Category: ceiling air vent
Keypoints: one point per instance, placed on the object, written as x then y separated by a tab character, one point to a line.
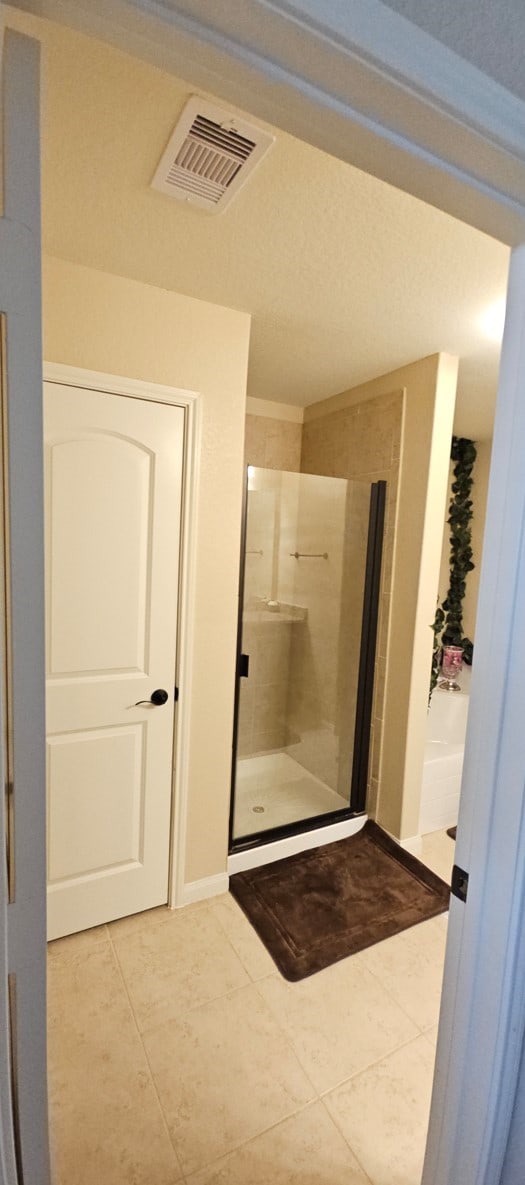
210	154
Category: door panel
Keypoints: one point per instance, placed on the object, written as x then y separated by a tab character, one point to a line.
113	469
96	811
99	625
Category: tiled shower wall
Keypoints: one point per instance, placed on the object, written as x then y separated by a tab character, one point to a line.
270	444
273	444
325	657
304	656
363	442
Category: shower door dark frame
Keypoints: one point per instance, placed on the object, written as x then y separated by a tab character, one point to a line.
365	692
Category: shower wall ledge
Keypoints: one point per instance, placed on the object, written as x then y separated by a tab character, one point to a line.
285	615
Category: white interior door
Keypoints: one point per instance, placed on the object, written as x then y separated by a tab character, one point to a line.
113	481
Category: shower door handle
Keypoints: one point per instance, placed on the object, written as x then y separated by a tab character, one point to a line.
243	666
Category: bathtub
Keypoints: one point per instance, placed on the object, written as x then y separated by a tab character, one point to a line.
446	727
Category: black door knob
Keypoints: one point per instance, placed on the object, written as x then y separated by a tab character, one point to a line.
157	697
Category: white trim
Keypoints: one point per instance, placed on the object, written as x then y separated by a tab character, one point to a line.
116	384
269	852
397	48
22	920
436	156
358	80
208	886
274	411
413	844
187	626
482	1015
55	372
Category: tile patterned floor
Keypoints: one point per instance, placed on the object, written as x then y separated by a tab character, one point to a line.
179	1056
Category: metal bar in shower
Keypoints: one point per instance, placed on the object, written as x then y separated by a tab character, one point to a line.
363	718
304	555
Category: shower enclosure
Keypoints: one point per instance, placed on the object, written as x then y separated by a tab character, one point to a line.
309	595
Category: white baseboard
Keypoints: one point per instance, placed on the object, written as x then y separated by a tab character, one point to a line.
209	886
268	852
413	844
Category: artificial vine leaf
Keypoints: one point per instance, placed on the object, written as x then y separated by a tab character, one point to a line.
448	622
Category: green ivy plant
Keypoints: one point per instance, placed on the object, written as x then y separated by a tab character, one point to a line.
448	622
437	630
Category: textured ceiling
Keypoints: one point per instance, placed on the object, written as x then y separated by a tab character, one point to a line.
346	277
490	34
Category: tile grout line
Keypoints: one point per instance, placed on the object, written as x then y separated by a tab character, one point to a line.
401	1007
347	1142
372	1065
150	1071
64	955
287	1039
320	1094
335	1118
250	1140
196	1007
237	953
378	979
203	1004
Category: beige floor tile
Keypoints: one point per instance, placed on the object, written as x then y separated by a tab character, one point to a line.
246	942
106	1122
136	922
338	1021
383	1113
442	920
432	1035
224	1073
149	918
176	965
410	968
305	1150
74	944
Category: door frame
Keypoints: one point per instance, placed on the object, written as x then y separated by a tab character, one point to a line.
190	402
481	197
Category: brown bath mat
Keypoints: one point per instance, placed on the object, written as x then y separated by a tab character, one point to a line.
452	832
320	906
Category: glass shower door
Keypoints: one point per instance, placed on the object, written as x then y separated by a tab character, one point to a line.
309	592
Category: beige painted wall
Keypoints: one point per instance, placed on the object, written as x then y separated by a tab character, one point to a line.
479	506
429	397
119	326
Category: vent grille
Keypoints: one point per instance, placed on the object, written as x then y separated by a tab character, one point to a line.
209	156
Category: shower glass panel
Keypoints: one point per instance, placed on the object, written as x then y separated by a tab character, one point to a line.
309	593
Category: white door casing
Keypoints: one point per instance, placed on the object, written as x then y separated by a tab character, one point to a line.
24	1151
482	1023
113	514
508	212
